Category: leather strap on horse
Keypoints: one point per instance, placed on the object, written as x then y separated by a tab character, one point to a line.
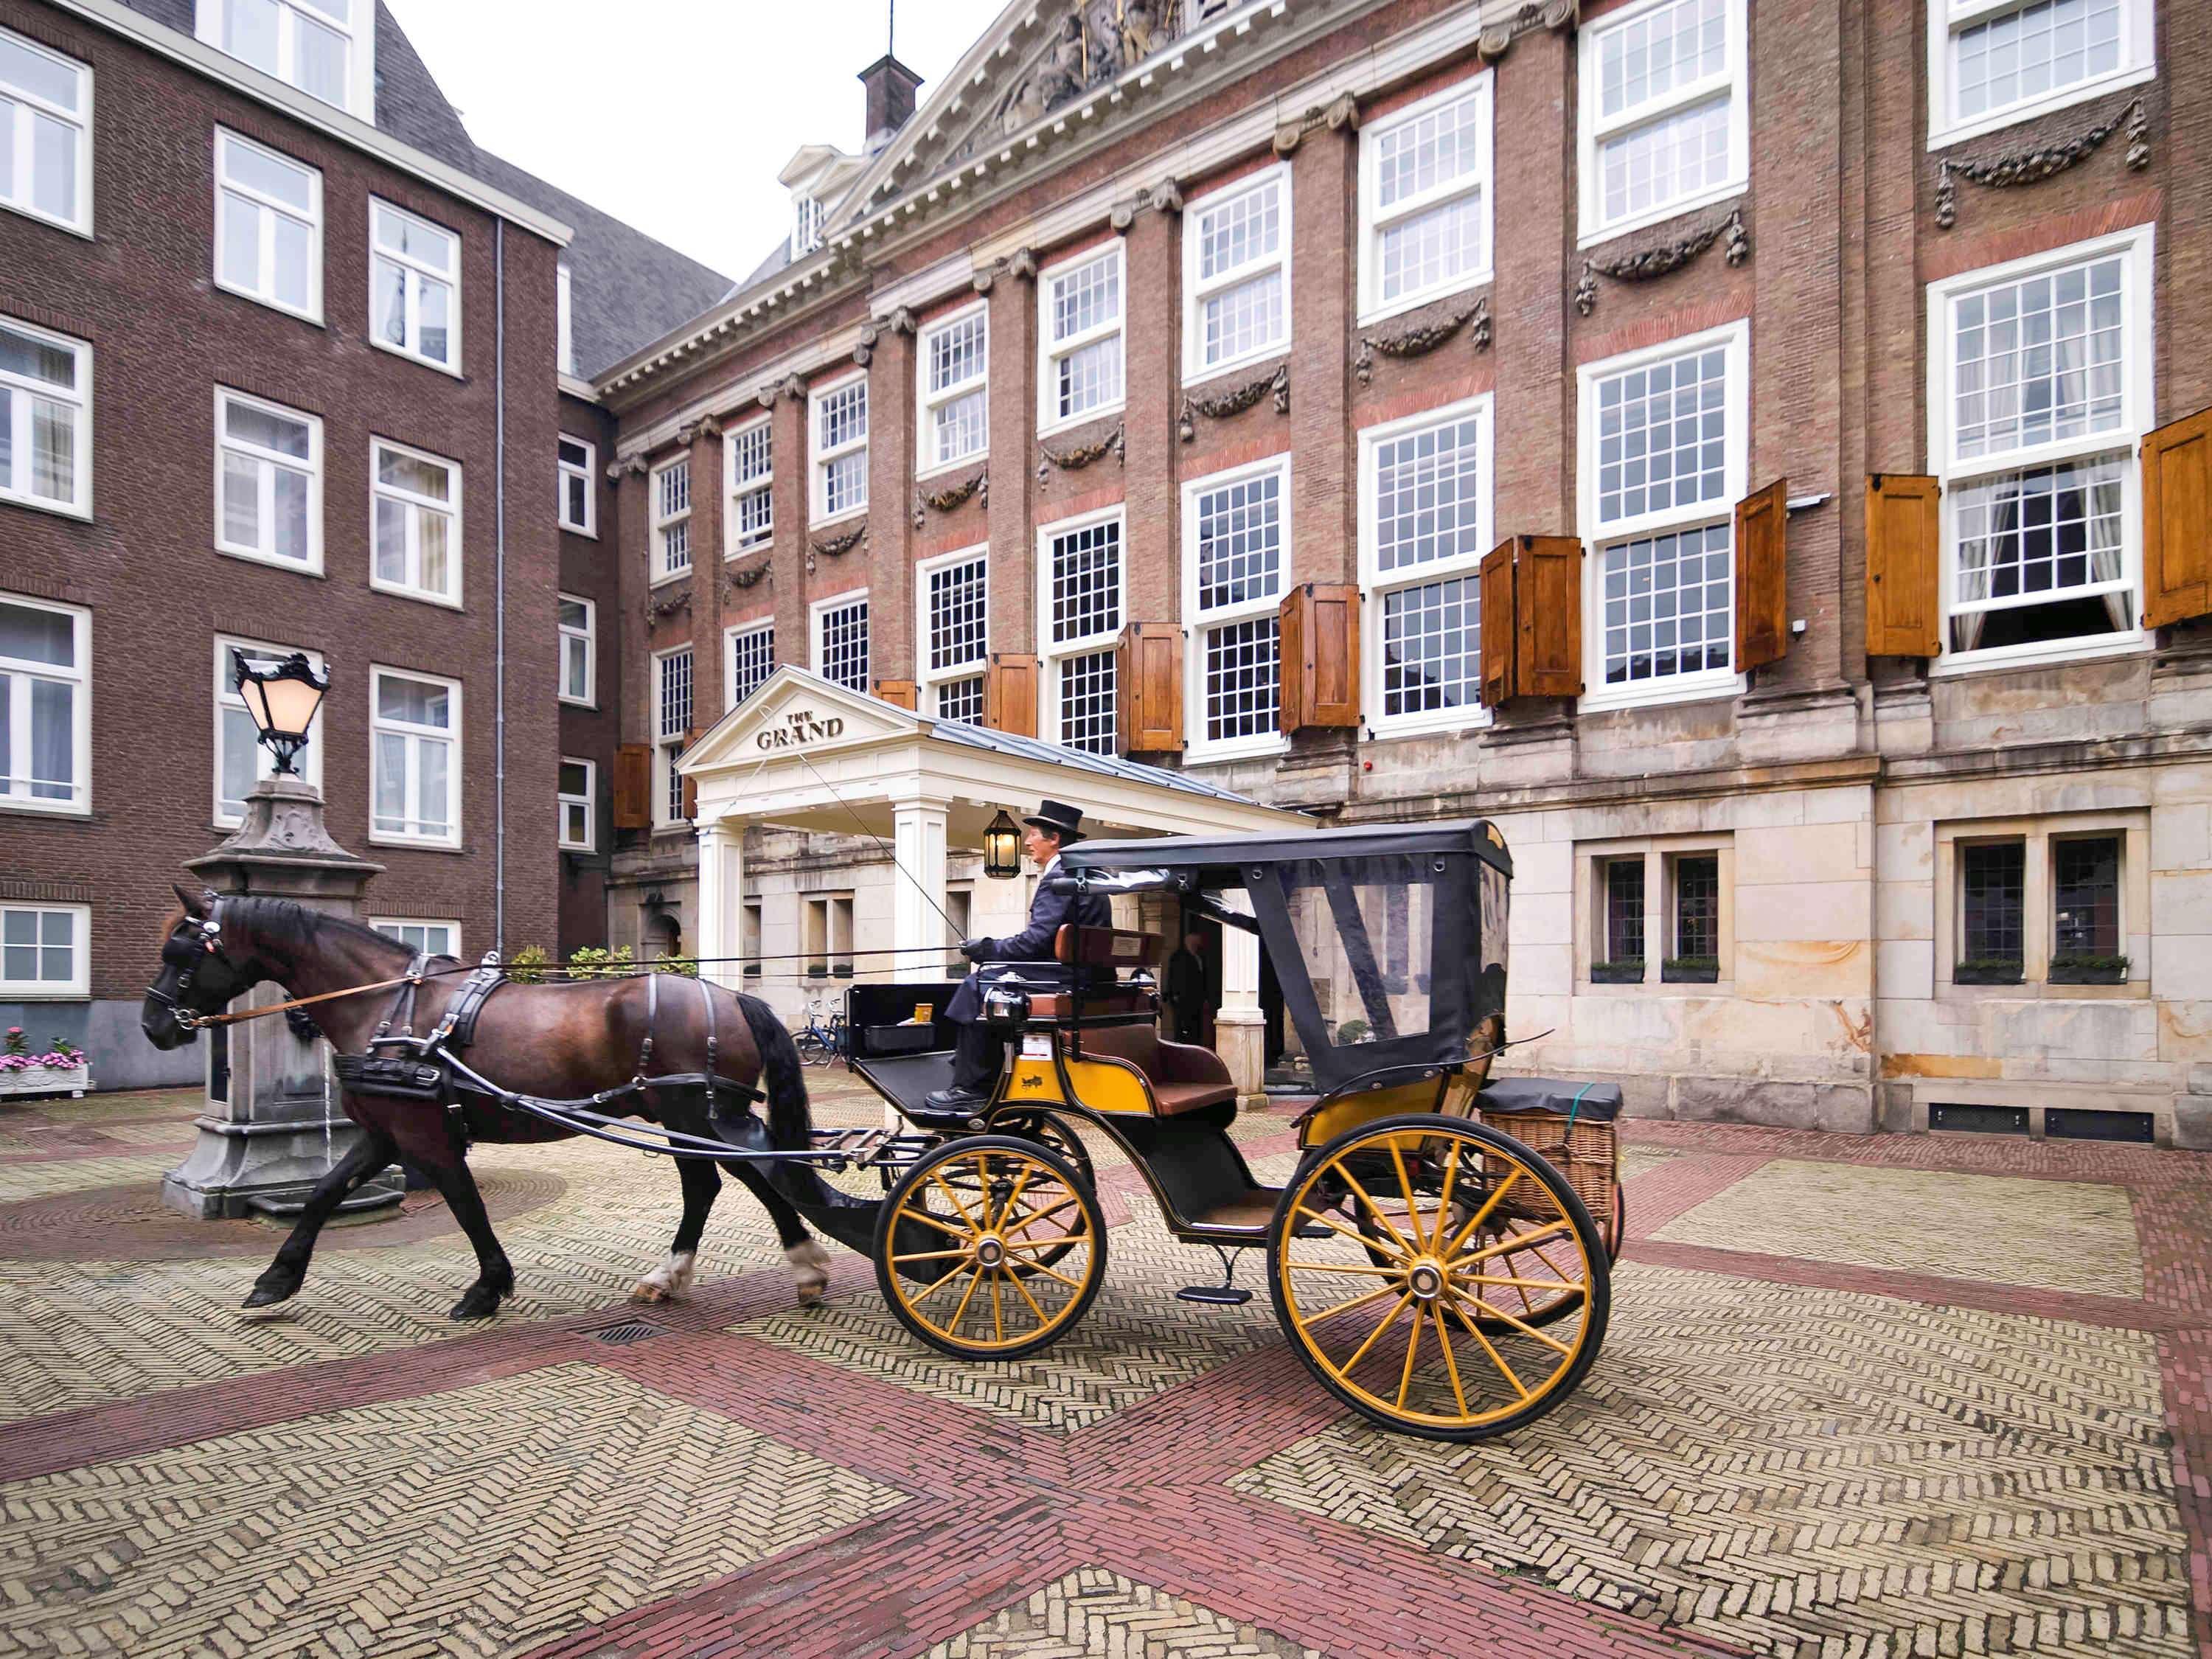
235	1016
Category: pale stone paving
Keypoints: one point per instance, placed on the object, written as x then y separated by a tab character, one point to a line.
2049	1234
1092	1611
471	1522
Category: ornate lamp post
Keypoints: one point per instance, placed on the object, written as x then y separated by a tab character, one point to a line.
1002	849
272	1125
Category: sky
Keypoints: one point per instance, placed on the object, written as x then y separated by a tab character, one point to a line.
678	119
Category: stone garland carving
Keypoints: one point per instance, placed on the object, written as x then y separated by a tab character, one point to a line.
2032	166
1422	338
1664	260
1222	404
1074	460
750	576
837	547
952	495
658	610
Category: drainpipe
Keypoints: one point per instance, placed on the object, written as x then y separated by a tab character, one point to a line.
498	590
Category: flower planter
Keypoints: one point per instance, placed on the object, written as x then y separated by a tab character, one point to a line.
46	1080
2088	970
1690	971
1986	973
1625	972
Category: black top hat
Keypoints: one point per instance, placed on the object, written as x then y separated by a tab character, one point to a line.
1057	819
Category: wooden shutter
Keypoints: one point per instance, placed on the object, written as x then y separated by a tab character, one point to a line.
1010	694
1498	630
691	785
1904	529
633	786
2176	494
1762	576
901	692
1547	616
1148	688
1319	635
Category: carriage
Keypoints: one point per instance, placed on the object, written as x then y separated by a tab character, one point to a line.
1438	1253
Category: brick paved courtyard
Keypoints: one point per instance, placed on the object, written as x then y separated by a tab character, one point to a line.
1931	1395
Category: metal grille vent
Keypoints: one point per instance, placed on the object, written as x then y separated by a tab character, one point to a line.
629	1331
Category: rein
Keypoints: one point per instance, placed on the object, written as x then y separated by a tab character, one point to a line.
191	1021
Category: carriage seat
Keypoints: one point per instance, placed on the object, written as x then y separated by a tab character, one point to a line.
1184	1077
1110	948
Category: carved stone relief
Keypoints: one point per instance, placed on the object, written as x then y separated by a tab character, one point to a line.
1074	460
2034	165
1421	338
1220	405
1664	260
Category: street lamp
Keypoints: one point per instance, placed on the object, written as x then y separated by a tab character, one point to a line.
1002	849
281	695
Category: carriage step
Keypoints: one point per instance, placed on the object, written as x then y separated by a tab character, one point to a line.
1219	1295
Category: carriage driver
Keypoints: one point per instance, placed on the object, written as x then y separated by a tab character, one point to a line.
980	1050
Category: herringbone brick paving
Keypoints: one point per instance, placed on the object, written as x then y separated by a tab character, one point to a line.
1788	1453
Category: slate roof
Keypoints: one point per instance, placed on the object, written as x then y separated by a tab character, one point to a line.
625	289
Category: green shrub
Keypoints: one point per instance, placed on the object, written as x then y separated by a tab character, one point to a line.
527	965
687	967
592	961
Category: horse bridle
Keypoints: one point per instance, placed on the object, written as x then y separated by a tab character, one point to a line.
209	929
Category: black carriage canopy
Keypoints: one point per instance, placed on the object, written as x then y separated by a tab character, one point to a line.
1388	943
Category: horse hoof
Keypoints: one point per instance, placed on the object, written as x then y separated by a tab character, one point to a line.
810	1271
268	1295
646	1290
481	1302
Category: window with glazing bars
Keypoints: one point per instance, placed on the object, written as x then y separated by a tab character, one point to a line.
954	392
1993	879
671	517
1696	905
752	473
1624	909
1082	309
1086	581
844	645
2085	888
671	727
1086	703
841	450
752	660
958	599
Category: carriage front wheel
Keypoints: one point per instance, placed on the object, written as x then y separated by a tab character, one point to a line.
990	1247
1398	1258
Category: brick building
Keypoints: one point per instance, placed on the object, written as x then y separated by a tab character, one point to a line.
280	365
1747	450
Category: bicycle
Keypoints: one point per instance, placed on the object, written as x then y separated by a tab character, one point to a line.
820	1040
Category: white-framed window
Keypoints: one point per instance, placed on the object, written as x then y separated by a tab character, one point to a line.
325	48
671	731
565	319
415	287
431	937
952	361
1424	524
672	519
751	460
414	760
838	418
1079	337
268	482
46	419
579	498
1665	122
748	658
1424	200
577	802
1664	444
45	951
45	706
1082	598
1991	63
2039	392
45	134
240	759
806	226
1235	568
841	640
578	620
416	503
1236	274
952	600
268	227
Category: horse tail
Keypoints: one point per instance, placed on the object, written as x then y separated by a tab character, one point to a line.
790	1120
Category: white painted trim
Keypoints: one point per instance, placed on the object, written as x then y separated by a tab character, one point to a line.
663	523
1593	129
79	984
378	490
730	635
312	564
662	765
820	608
1197	624
732	542
1050	652
225	697
1375	583
562	634
217	66
1736	338
1049	352
79	119
456	767
451	923
2138	64
81	446
816	457
925	678
590	801
422	272
563	472
313	310
1372	307
79	675
1277	178
926	402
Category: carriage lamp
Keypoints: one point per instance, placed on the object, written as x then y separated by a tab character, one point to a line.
1002	849
281	695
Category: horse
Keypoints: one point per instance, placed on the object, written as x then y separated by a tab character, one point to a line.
564	1040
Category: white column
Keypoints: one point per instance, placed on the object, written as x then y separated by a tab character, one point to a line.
722	900
917	888
1240	1029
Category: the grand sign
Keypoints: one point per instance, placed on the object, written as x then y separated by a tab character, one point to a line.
801	727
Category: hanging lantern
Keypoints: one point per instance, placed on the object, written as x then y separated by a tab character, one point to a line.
1002	849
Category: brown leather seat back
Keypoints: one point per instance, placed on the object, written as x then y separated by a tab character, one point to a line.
1183	1076
1104	947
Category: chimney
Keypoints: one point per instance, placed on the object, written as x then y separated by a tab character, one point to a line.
890	87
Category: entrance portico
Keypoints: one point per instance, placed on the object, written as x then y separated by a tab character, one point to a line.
803	754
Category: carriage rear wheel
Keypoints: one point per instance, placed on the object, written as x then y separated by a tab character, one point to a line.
1398	1257
991	1247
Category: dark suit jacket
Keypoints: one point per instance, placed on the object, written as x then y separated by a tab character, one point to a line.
1047	911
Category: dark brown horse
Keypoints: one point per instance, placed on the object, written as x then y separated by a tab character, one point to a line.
557	1042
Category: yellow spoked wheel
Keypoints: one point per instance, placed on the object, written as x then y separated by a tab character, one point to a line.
1398	1259
990	1247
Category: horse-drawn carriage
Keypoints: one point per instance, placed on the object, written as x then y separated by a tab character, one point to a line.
1434	1255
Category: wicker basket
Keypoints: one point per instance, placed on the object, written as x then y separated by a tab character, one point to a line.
1587	1152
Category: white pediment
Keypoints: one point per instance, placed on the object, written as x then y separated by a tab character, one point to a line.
797	714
